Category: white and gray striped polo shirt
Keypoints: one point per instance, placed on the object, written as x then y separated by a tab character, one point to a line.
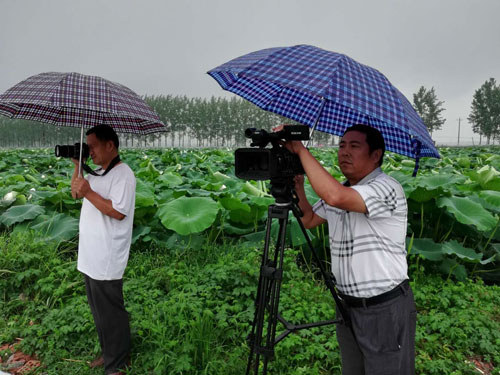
368	250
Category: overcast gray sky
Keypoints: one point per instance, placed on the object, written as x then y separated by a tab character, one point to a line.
166	47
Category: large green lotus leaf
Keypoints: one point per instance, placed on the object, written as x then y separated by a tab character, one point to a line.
144	194
140	231
492	198
453	247
11	180
55	197
463	162
261	201
468	187
448	266
230	204
170	179
247	217
441	182
487	176
433	186
18	214
257	237
468	212
214	186
429	162
148	171
233	229
428	249
421	194
405	180
188	215
20	200
494	161
59	227
493	184
483	203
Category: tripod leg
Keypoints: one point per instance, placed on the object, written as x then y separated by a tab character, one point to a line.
268	294
260	302
275	289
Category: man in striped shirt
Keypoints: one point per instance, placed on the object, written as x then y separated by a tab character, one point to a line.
367	219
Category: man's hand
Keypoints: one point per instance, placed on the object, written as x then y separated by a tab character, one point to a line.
293	146
80	187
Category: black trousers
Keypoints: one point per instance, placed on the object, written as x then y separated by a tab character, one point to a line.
111	320
384	341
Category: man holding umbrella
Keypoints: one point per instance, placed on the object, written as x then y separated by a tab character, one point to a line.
367	215
85	101
367	218
106	222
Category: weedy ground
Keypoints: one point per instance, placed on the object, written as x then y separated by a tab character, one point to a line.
191	310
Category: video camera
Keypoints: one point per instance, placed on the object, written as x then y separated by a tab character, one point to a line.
72	151
270	163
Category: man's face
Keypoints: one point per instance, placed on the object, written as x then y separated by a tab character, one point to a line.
355	160
100	152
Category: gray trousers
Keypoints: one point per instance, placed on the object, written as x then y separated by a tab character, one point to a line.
384	342
111	320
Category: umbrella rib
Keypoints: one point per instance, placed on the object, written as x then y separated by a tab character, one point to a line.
323	101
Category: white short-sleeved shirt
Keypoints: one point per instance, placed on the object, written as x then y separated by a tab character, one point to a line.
104	243
368	250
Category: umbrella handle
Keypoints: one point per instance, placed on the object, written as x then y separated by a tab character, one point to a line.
80	173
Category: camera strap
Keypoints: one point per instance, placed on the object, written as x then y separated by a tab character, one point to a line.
87	169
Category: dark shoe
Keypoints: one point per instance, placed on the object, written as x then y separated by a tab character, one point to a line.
117	373
98	362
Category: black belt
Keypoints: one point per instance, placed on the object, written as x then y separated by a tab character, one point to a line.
387	296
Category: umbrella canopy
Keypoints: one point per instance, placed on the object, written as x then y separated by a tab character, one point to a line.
328	91
78	100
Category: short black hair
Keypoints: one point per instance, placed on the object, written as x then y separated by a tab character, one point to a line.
373	138
105	133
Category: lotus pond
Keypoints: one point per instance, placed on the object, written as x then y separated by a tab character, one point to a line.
190	198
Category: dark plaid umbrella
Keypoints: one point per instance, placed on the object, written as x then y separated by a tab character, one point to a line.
327	91
73	99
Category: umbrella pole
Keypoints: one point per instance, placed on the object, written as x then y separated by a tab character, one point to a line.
80	156
316	121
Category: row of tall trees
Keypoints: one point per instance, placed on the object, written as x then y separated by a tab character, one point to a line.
193	122
484	116
220	122
485	111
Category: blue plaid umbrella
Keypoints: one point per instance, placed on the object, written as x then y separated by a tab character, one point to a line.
327	91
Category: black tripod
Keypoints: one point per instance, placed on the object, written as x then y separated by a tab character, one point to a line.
271	273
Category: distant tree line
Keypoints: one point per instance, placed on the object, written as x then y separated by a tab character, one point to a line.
484	116
221	122
193	122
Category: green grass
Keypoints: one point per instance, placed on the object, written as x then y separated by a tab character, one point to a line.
191	312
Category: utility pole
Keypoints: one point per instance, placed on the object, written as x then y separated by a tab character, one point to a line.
458	141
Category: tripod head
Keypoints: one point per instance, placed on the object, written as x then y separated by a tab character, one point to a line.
283	191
